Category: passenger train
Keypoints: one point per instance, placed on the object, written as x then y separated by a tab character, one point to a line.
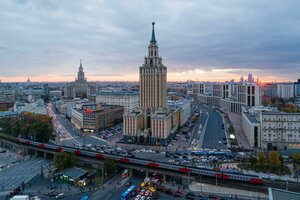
219	174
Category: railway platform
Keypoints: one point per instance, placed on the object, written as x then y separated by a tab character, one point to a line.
208	188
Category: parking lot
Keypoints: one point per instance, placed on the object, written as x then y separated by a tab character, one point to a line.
20	172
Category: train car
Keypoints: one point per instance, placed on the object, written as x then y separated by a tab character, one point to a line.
205	171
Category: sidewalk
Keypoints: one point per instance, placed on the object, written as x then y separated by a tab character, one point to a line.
197	187
236	121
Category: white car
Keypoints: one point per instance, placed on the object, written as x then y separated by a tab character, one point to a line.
137	197
143	198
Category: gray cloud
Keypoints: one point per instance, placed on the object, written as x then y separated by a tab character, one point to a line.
49	37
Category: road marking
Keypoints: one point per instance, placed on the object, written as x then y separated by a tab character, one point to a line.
95	137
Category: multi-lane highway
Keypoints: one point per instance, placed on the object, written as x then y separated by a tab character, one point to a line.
214	136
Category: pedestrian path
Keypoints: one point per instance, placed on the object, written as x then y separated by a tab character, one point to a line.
207	188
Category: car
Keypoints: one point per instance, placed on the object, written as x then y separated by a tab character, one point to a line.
190	195
156	195
142	198
177	193
169	191
162	188
137	197
60	196
213	196
142	191
147	193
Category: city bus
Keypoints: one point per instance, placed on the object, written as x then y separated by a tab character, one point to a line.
125	195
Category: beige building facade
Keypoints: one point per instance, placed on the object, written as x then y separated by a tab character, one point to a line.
152	122
275	129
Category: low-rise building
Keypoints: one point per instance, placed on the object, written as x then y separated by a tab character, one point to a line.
38	107
91	117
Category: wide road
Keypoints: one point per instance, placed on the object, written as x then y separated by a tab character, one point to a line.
72	136
199	129
214	134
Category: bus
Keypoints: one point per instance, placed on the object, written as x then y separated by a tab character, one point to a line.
85	197
125	195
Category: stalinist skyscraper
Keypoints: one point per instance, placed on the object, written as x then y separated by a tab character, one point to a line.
153	79
153	121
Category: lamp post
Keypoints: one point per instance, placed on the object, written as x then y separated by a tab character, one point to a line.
201	183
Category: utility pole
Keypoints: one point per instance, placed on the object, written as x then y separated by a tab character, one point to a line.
201	182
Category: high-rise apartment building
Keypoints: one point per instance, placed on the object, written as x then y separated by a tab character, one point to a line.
229	95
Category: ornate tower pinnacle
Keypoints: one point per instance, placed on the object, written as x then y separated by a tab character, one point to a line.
153	33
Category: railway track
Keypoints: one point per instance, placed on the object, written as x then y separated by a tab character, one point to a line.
263	188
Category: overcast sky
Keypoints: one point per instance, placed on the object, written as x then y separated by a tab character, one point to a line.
199	40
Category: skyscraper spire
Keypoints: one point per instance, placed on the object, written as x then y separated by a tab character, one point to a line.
80	63
153	33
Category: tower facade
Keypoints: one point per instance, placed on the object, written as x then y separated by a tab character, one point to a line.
153	79
80	74
78	88
153	122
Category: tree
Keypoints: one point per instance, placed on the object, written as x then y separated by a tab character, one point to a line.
296	158
31	126
110	166
253	161
274	160
63	160
261	159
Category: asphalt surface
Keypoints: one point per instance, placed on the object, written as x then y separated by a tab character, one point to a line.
214	134
199	131
21	172
73	136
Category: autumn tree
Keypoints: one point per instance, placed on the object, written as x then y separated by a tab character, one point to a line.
261	159
28	125
296	158
274	160
253	161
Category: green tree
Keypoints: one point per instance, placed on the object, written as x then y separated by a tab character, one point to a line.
253	161
63	160
261	159
231	129
274	160
110	166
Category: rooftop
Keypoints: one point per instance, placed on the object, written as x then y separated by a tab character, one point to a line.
277	194
73	173
125	93
251	118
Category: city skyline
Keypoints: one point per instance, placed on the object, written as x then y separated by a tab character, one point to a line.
201	41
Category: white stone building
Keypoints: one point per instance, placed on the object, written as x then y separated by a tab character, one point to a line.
129	100
276	130
229	95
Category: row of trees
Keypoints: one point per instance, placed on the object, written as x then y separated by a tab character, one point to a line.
281	104
28	125
272	161
65	160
